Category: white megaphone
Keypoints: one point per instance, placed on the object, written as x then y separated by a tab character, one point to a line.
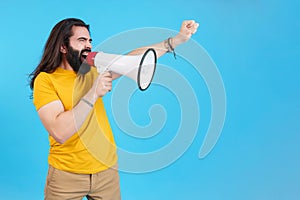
140	68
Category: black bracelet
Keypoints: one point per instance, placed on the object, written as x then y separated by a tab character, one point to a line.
170	47
87	102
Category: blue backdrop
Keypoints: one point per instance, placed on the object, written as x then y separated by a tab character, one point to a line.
254	44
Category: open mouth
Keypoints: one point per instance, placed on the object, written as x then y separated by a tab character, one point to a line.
84	55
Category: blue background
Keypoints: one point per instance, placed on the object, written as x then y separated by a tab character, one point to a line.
256	46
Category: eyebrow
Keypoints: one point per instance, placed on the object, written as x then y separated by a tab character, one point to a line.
84	38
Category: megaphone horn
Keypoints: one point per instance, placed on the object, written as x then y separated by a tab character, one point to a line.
140	68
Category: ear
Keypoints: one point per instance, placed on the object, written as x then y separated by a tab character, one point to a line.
63	49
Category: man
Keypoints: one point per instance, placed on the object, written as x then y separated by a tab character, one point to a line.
71	109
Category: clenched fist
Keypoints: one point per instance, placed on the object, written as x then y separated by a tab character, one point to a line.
103	84
187	29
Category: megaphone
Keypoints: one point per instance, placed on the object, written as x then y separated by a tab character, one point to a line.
140	68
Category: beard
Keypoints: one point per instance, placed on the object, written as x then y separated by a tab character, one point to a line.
75	58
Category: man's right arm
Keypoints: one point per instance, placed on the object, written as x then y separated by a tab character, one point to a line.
61	124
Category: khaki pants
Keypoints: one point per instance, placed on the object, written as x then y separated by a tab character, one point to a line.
61	185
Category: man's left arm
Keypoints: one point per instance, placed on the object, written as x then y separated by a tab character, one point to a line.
187	29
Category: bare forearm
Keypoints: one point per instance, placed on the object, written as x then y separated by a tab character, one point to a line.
160	48
67	123
62	124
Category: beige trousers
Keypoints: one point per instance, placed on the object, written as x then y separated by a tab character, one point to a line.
61	185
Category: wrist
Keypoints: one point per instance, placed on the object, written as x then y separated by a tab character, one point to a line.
178	40
91	97
169	45
87	102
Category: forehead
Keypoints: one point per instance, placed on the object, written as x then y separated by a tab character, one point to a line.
80	31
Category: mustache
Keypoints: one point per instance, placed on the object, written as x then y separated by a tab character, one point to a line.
85	51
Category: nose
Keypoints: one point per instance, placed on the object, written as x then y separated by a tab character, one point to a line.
88	45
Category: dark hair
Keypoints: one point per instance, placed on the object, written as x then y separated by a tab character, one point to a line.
52	57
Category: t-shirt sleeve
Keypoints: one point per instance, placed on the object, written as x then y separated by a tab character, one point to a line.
44	91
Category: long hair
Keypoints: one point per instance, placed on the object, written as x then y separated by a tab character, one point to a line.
52	57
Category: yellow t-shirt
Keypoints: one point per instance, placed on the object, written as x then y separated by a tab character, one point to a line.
92	148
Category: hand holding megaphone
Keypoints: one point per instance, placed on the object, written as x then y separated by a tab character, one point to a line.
103	84
140	68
